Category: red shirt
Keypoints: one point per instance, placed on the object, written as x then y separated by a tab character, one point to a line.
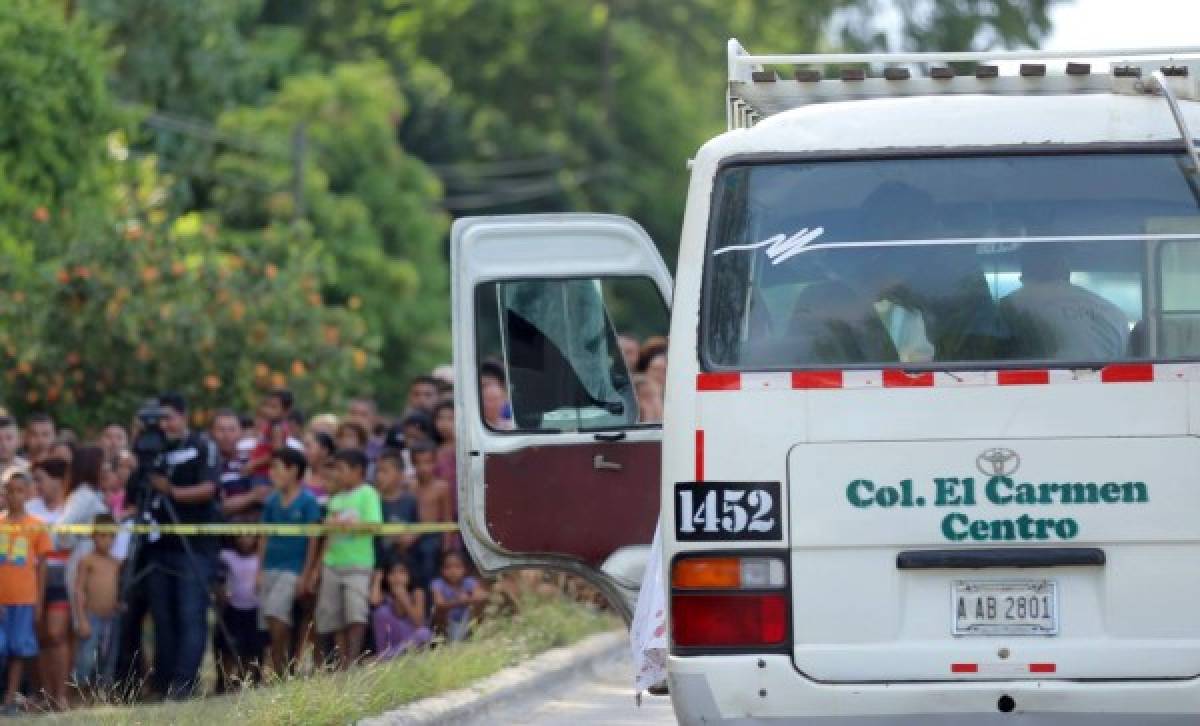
264	448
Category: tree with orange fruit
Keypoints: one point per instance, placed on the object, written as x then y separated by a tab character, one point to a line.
139	307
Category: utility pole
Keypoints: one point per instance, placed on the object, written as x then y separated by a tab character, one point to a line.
606	60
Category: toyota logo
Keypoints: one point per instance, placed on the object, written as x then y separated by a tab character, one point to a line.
998	462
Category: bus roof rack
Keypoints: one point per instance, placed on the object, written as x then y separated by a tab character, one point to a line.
756	91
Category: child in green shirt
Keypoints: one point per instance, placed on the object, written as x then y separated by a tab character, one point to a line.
347	559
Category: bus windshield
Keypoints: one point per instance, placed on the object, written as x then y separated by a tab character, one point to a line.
1064	260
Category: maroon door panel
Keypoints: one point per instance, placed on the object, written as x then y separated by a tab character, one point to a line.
564	500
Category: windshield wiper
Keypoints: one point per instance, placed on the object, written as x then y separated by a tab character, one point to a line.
1173	103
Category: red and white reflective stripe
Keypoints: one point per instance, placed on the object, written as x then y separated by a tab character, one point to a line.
895	378
1127	374
1022	378
817	379
719	382
1003	669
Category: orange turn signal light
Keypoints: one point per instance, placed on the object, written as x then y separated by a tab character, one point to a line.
707	573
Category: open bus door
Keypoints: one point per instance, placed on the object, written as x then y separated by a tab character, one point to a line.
558	465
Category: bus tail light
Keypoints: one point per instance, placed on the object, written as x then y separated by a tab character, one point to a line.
728	573
727	620
729	602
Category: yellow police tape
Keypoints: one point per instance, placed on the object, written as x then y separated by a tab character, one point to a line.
233	528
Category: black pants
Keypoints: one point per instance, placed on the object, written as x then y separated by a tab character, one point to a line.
131	668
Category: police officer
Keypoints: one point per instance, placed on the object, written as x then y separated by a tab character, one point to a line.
179	573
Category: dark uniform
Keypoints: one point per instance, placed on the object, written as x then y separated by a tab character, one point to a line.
178	582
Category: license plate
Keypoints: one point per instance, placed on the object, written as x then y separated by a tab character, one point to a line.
1005	608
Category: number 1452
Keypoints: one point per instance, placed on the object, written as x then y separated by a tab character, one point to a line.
725	511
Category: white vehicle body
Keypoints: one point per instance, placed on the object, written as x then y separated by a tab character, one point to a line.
879	501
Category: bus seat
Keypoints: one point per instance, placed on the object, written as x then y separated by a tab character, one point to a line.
1137	341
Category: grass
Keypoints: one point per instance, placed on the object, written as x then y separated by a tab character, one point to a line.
371	689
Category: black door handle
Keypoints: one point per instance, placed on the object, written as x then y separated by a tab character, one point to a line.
610	436
970	559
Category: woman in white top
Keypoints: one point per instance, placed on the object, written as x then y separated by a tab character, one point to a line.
83	502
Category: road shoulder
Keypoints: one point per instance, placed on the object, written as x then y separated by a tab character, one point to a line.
538	675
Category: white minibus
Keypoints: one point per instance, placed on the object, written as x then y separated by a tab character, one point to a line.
929	450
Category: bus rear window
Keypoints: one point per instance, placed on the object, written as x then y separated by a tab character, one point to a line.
1073	260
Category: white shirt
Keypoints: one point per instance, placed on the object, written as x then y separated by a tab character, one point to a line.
1058	320
37	508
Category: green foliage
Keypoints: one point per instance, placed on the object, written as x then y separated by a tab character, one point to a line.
326	141
612	115
371	207
191	58
372	689
150	304
56	111
967	24
614	95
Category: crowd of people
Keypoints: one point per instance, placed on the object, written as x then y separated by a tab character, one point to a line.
647	361
73	606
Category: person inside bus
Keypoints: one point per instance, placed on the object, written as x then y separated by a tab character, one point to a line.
933	299
832	323
1053	319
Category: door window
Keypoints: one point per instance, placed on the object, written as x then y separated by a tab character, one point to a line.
557	354
1179	265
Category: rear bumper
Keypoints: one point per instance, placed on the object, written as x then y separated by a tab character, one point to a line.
768	690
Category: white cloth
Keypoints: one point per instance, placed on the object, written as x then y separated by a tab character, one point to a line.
36	507
1067	322
648	631
907	330
120	548
81	507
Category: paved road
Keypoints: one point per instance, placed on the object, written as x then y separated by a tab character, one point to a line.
602	697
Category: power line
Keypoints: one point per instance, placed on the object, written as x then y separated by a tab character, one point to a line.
497	182
208	132
523	192
201	129
506	167
204	172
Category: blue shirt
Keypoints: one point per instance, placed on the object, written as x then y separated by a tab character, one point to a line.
288	553
401	509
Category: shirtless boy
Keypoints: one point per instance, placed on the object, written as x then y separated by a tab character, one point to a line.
96	607
433	505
